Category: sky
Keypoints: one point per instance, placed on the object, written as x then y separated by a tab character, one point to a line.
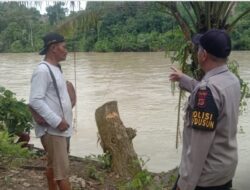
79	5
41	5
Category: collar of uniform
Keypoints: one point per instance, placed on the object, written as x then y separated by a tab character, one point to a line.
216	71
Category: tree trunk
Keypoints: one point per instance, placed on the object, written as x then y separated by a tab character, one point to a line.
116	139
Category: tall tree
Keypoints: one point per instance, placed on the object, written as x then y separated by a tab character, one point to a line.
120	26
20	27
56	12
198	17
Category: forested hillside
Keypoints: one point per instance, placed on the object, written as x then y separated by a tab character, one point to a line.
108	26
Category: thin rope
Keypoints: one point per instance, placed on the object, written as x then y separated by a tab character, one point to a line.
178	132
108	87
75	114
74	48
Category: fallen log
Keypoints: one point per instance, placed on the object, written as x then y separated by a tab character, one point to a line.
116	140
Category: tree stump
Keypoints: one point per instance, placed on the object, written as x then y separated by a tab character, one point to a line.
116	139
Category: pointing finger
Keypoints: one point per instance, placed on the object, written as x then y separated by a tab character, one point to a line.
174	69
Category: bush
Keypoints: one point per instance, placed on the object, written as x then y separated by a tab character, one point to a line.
11	154
14	114
103	46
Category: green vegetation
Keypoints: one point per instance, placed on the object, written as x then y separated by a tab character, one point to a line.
241	33
104	27
133	26
142	180
11	154
198	17
15	119
104	160
245	91
14	114
95	174
20	28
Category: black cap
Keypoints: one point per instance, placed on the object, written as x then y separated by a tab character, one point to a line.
214	41
48	39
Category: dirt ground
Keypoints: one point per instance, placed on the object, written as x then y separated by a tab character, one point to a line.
86	174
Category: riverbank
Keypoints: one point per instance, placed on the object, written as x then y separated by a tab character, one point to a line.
87	173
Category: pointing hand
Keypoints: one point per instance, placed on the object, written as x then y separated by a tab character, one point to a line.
175	75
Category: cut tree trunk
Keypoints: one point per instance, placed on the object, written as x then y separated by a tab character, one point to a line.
116	140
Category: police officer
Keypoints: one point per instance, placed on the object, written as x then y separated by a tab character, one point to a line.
209	154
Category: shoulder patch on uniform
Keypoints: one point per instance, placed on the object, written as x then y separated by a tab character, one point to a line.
201	95
205	112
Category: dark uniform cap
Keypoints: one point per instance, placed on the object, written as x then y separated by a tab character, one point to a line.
214	41
48	39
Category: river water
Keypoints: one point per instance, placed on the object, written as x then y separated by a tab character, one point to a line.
139	83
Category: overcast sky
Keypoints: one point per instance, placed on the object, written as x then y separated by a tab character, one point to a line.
79	5
42	4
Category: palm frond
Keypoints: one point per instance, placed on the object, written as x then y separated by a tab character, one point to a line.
228	12
230	26
208	14
221	8
197	7
187	9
